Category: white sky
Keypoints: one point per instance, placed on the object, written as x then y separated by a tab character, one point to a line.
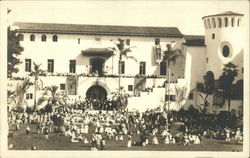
186	15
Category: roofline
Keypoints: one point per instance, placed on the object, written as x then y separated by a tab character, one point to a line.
223	15
91	32
99	33
194	45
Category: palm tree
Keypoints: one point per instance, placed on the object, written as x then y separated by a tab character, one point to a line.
208	88
170	56
53	97
228	76
122	51
11	97
17	96
37	71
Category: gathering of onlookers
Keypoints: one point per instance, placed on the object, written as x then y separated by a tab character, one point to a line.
97	128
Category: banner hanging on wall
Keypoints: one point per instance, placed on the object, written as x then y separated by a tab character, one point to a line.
71	85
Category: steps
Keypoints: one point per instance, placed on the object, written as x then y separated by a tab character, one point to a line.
147	100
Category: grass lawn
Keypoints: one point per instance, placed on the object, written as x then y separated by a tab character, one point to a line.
21	141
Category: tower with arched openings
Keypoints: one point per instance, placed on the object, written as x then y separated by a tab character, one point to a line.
224	40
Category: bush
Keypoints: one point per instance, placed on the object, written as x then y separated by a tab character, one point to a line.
19	109
29	110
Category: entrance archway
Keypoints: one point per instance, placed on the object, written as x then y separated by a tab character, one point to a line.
96	92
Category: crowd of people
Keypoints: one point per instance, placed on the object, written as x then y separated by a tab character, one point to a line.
113	102
222	126
96	128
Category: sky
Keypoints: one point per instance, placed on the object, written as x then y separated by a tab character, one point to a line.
186	15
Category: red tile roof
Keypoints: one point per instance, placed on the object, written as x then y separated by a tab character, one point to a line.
194	40
225	13
56	28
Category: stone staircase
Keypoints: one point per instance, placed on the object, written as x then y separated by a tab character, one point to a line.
147	100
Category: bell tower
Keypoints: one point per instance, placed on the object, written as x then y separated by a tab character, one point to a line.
224	39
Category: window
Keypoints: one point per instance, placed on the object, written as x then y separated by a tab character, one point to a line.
157	41
157	53
28	65
213	36
232	22
130	87
20	37
142	68
32	37
213	22
72	66
50	65
219	22
225	51
172	97
242	70
163	68
43	38
122	67
207	60
54	38
29	96
238	22
226	22
205	24
128	42
79	40
98	40
209	24
191	96
169	97
62	86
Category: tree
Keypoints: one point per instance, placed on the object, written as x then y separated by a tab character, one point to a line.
207	87
53	97
226	81
18	95
120	99
14	50
122	51
170	56
36	72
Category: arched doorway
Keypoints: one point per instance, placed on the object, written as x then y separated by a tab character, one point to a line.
97	65
96	92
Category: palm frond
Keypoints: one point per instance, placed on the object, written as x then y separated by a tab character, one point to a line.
201	96
11	93
132	57
171	55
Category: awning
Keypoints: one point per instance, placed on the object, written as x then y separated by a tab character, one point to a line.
104	52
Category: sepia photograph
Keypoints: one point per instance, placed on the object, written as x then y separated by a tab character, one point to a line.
125	78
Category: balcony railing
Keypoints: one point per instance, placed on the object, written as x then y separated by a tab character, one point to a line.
101	75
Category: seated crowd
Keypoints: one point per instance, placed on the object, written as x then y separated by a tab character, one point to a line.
95	129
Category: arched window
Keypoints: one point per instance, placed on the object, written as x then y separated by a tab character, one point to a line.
32	37
219	22
210	75
205	24
225	51
55	38
213	21
232	22
238	22
226	22
20	37
209	24
43	38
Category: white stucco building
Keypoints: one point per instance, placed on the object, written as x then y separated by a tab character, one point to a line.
70	54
